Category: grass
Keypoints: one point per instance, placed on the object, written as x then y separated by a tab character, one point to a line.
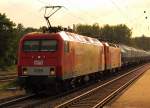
11	84
12	68
9	69
5	86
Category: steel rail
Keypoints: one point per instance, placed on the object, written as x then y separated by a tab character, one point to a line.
7	78
7	74
116	92
12	101
75	99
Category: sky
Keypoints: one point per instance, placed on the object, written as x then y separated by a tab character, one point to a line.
134	13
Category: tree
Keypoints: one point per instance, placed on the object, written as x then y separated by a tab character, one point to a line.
116	34
122	34
142	42
30	29
107	33
88	30
7	36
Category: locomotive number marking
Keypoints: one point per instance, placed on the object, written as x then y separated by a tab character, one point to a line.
38	62
38	70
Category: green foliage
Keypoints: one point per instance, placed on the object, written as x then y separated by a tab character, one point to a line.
7	38
88	30
8	85
115	34
142	42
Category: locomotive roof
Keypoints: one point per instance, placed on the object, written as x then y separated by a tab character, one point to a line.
80	38
67	36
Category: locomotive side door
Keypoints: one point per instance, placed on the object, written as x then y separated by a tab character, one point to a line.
68	64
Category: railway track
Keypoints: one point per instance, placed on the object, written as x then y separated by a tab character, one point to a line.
99	96
16	99
7	77
32	101
7	73
93	97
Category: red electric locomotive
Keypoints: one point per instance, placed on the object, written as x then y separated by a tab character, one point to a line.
52	59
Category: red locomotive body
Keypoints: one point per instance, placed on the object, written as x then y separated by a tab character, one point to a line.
47	59
112	56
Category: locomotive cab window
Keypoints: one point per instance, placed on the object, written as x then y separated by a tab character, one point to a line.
31	45
48	45
66	46
40	45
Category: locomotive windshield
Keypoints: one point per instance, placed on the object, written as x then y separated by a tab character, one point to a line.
40	45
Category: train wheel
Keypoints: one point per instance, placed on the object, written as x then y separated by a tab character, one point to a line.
66	85
58	87
78	81
86	79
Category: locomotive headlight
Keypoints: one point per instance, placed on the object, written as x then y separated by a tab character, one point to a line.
52	71
25	71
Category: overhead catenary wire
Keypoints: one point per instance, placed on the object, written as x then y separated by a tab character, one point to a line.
85	12
75	16
43	2
133	23
123	14
88	17
69	13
